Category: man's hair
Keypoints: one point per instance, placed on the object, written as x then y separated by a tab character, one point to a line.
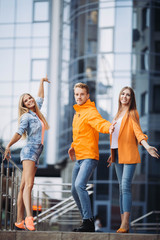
82	85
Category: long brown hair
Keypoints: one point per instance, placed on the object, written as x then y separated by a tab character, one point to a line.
23	109
132	108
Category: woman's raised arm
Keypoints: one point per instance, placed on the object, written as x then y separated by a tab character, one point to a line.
14	139
41	87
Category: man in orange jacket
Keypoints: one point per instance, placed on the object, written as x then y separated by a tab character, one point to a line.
87	124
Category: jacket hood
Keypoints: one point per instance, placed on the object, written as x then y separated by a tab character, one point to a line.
87	104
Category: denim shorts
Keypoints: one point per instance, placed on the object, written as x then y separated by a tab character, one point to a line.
31	152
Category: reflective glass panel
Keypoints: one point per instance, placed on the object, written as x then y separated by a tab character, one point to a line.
22	65
6	64
106	40
7	11
39	69
41	11
24	11
23	30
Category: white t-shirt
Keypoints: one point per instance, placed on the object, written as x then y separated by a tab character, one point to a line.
115	134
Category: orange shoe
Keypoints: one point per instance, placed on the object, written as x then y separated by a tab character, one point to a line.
122	230
20	226
29	223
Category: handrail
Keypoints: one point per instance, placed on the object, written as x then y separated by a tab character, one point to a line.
10	160
6	181
60	209
145	226
89	186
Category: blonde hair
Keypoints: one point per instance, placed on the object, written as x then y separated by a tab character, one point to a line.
81	85
23	109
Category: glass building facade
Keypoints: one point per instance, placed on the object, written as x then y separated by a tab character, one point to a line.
24	59
107	44
145	78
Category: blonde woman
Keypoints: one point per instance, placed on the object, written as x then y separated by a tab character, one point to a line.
124	151
32	125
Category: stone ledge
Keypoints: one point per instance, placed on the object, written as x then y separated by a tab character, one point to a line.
39	235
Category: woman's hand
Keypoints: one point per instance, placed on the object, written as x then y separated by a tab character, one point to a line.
7	154
45	79
112	127
153	151
109	161
71	153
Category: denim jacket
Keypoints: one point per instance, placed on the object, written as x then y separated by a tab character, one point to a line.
32	125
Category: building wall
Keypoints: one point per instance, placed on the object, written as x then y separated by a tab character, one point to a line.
147	88
24	60
100	52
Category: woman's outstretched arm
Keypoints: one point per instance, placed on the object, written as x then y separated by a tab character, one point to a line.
151	150
7	153
41	87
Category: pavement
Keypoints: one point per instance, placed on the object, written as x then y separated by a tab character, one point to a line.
44	235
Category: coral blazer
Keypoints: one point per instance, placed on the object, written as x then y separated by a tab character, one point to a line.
130	134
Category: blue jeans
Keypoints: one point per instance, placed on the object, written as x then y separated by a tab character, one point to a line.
81	174
125	174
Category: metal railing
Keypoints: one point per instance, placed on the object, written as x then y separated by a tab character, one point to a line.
148	225
60	209
8	193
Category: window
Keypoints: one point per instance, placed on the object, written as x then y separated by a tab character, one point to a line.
106	40
92	47
39	69
144	103
144	59
156	98
157	56
145	18
157	16
40	11
102	191
102	211
92	17
157	136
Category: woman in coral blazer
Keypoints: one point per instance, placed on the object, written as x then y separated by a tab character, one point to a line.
124	150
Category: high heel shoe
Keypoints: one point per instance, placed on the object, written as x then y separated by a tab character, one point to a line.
122	230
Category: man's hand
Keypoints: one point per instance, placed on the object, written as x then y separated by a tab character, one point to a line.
109	161
112	127
71	153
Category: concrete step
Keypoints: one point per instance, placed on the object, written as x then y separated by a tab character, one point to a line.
39	235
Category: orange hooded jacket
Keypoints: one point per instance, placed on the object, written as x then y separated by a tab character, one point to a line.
130	134
87	123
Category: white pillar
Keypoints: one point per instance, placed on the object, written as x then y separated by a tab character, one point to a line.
122	49
53	76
